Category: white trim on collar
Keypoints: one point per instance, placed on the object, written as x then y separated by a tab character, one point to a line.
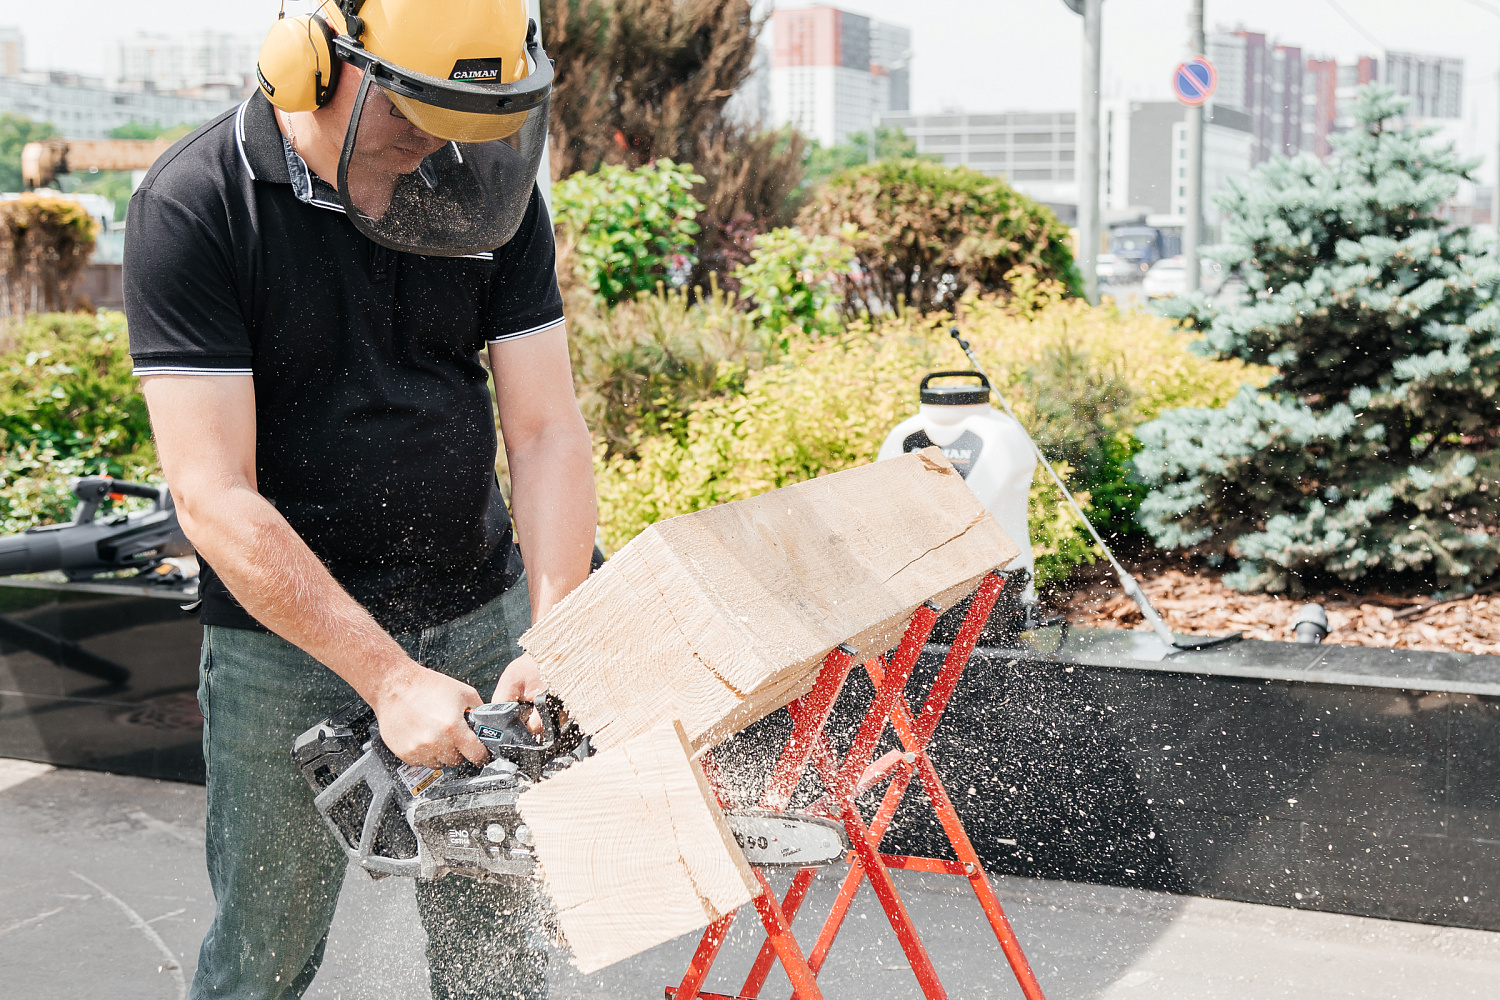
239	136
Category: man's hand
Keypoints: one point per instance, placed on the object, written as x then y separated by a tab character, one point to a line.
521	681
422	719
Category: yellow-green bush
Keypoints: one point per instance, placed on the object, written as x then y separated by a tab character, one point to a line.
828	405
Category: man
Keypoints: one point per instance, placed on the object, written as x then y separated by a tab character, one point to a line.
309	286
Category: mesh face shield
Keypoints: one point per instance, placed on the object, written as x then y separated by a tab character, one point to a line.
438	167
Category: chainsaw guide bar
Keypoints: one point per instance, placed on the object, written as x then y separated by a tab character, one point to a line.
393	818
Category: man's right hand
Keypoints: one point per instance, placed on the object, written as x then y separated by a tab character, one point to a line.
421	717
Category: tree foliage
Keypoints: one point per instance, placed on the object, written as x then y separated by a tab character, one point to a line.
929	233
822	162
1376	448
15	132
69	407
641	80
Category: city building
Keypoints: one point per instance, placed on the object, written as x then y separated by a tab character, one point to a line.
1320	99
834	73
200	64
1143	153
1263	81
12	52
86	107
1144	157
1435	84
82	108
1032	151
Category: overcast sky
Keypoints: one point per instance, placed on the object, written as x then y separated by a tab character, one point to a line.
978	55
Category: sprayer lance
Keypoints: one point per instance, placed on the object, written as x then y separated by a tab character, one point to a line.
1128	583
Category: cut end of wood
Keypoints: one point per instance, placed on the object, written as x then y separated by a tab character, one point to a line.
634	849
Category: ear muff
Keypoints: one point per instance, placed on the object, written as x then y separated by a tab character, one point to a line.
297	68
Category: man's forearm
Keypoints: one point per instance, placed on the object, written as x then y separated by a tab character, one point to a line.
552	497
276	578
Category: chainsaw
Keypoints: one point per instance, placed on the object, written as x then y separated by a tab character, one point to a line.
393	818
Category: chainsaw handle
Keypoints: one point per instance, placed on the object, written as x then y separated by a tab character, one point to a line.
501	728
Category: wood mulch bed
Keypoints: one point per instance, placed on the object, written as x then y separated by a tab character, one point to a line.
1197	602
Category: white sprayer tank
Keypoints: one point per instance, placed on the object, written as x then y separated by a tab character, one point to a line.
989	449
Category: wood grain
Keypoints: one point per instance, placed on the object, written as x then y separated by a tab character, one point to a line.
634	849
720	617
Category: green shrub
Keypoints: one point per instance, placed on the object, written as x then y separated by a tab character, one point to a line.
639	367
795	280
69	407
927	234
45	241
624	231
830	403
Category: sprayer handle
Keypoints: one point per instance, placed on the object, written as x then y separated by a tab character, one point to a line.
932	375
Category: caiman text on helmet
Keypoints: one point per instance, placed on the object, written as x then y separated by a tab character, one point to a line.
446	129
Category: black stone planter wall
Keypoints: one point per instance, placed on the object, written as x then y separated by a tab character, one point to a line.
1332	778
100	676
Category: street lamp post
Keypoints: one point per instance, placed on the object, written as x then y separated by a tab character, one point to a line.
1087	134
1192	228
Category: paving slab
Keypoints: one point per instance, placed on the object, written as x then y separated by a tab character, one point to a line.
103	890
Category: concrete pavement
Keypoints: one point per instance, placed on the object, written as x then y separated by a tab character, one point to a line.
103	892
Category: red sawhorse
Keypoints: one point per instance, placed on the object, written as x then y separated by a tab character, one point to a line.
843	781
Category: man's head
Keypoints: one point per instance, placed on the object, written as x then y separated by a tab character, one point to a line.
428	102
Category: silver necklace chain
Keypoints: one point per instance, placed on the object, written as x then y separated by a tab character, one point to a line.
291	136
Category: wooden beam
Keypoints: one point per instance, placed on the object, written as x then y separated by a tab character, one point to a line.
720	617
634	849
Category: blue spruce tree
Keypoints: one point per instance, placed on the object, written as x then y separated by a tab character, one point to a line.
1375	450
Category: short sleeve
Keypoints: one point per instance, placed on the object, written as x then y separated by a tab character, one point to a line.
524	298
181	301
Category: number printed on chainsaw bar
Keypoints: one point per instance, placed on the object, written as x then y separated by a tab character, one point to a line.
722	616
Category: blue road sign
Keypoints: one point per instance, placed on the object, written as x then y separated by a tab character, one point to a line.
1194	81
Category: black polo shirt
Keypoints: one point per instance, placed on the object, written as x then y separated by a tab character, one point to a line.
375	437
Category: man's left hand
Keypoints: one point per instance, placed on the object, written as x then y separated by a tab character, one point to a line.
520	681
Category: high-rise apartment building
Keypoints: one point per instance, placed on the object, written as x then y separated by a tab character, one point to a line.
833	73
1265	81
1320	99
12	52
1435	84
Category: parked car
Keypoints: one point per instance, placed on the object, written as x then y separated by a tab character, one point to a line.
1169	277
1107	267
